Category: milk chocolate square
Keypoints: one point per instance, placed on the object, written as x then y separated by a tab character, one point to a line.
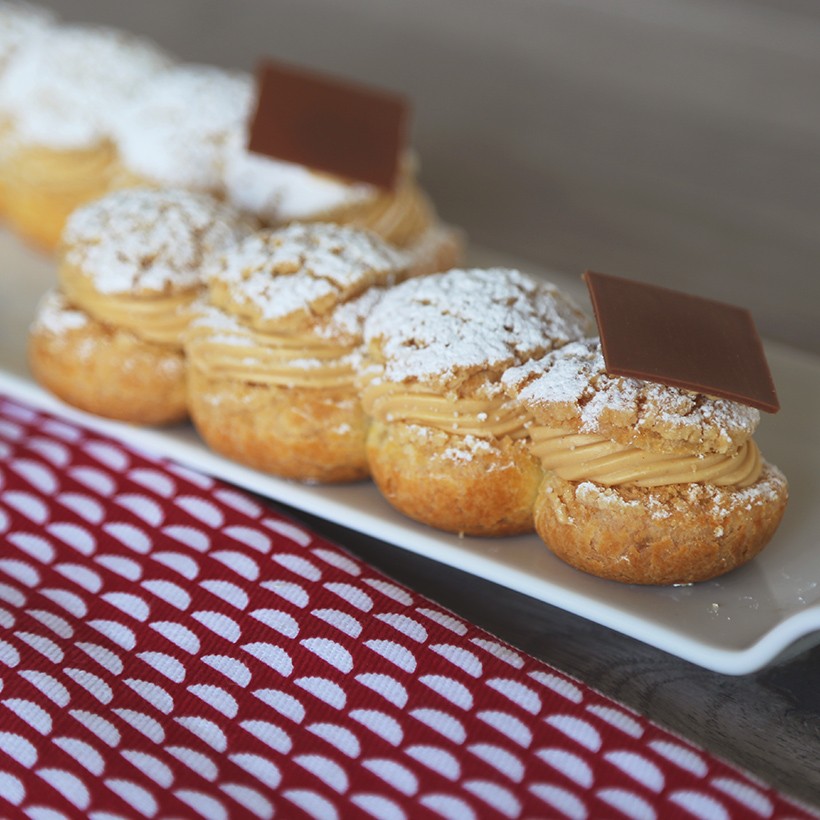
351	131
670	337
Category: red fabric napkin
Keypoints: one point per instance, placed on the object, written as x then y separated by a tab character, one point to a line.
171	647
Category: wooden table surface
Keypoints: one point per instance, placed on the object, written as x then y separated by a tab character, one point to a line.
675	141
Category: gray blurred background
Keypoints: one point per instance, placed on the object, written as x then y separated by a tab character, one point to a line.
675	141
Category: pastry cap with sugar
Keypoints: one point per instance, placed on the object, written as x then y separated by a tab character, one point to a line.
443	329
291	279
176	132
146	241
66	87
570	388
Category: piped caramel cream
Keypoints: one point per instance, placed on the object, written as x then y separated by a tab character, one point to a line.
65	177
158	318
238	353
400	217
479	417
589	457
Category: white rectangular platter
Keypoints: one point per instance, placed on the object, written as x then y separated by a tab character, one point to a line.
734	625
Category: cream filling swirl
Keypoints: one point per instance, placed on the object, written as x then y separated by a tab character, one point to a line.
399	217
479	417
588	457
158	318
241	354
64	172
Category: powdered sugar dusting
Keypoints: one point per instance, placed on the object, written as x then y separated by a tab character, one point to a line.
19	22
280	273
149	240
436	325
54	315
176	131
224	329
347	320
278	191
465	448
66	87
576	378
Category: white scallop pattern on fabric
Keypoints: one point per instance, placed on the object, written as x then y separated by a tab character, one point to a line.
192	537
392	591
577	729
380	723
34	546
748	796
509	726
53	623
502	760
638	767
386	686
409	627
336	559
331	652
85	754
496	796
277	619
169	591
627	803
460	657
144	508
569	764
170	647
324	689
256	803
561	800
125	567
109	660
400	777
153	480
92	684
232	668
699	805
341	620
437	759
84	506
186	566
443	723
26	504
617	718
264	770
237	562
195	761
687	759
285	704
250	537
227	591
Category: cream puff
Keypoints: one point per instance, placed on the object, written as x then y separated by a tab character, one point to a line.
109	341
61	93
272	356
446	446
644	483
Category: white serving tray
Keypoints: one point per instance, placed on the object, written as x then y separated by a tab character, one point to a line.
760	613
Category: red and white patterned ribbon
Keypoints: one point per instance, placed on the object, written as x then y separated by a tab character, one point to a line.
172	647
